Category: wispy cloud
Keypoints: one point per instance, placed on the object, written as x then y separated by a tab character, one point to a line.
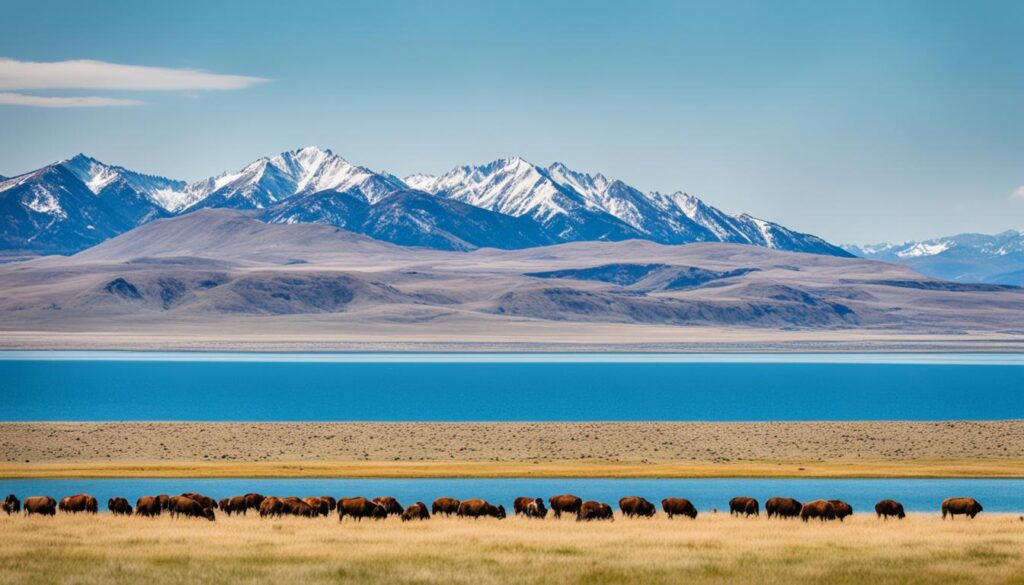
1019	193
22	76
18	99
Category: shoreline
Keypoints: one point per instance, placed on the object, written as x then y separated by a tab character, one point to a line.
869	469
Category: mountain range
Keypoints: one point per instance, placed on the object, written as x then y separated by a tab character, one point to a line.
509	203
995	259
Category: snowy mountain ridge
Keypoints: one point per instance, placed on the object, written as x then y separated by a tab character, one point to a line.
550	204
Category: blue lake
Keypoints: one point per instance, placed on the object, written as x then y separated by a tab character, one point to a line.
917	495
505	387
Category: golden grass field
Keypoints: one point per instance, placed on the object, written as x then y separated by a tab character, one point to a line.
714	548
869	468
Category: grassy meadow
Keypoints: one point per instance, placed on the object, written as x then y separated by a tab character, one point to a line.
712	549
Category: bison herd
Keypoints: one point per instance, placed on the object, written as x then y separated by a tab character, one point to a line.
195	505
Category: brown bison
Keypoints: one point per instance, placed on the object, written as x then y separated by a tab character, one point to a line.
744	506
360	508
391	505
11	504
294	506
253	501
79	503
271	506
842	509
319	505
148	506
119	507
783	507
632	506
204	501
966	506
592	510
446	506
476	508
417	511
820	509
165	501
678	507
332	504
237	505
42	505
888	508
567	503
530	507
190	508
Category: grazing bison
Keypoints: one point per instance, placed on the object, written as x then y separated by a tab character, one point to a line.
783	507
391	505
536	509
887	508
190	508
253	501
567	503
42	505
520	503
360	508
238	505
966	506
820	509
332	504
842	509
592	510
476	508
446	506
271	507
79	503
148	506
11	504
204	501
319	505
294	506
119	507
165	501
417	511
678	507
744	506
632	506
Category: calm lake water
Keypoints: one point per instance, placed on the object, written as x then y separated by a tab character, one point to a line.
918	495
507	387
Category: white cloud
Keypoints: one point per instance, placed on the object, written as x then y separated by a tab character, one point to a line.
1019	193
17	99
82	74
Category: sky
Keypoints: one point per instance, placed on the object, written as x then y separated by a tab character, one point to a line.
857	121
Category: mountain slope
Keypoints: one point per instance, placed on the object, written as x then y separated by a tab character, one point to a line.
518	188
994	259
53	210
268	181
577	206
411	218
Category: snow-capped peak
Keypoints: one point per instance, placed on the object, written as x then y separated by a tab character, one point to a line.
925	249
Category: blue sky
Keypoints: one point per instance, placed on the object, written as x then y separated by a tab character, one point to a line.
859	121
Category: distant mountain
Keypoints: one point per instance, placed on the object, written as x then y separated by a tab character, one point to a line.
576	206
995	259
55	210
307	170
509	203
412	218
